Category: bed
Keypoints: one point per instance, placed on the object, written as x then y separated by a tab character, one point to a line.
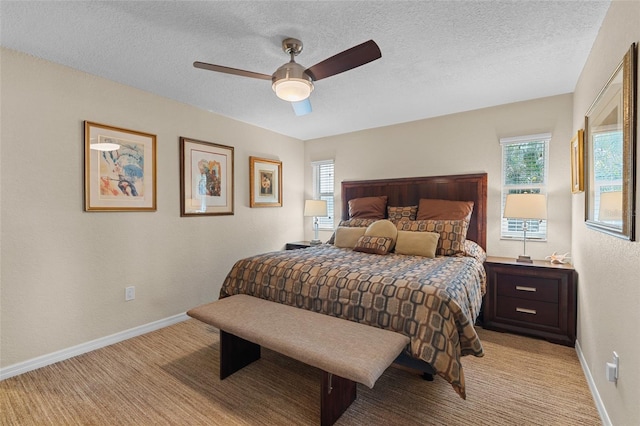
433	300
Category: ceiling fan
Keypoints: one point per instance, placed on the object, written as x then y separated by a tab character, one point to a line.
292	82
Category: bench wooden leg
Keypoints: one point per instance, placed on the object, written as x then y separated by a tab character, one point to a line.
235	353
337	394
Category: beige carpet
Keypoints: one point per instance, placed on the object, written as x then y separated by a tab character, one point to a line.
170	377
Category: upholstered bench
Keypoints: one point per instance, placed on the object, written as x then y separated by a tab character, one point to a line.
347	352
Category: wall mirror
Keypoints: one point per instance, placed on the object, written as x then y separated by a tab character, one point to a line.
610	149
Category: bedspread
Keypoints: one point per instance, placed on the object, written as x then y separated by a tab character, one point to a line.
433	301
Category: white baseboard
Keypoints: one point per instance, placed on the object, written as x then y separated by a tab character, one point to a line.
606	421
44	360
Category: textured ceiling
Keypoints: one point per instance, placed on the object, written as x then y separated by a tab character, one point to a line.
438	57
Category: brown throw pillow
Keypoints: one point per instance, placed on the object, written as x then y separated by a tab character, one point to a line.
374	245
432	209
368	207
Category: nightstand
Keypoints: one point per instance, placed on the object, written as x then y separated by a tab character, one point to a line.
298	245
537	299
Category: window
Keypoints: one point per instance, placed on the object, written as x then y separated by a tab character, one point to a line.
607	175
524	170
323	190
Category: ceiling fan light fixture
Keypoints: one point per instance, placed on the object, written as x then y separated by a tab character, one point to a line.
293	89
291	83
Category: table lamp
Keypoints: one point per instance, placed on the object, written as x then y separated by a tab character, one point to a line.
525	207
315	209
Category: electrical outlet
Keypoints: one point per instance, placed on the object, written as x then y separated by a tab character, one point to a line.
129	293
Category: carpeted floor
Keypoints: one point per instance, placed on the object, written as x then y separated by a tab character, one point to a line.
170	377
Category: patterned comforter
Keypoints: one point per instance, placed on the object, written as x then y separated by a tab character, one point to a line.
433	301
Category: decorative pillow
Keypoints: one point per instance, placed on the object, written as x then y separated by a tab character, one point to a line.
383	228
453	233
417	243
368	207
402	213
351	223
375	245
431	209
357	223
473	249
348	237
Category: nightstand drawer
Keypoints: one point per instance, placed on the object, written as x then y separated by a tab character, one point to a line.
530	311
530	288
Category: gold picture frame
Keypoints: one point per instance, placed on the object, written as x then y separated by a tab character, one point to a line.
265	182
119	169
577	162
610	152
206	178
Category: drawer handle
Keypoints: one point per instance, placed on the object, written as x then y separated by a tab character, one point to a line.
522	288
526	311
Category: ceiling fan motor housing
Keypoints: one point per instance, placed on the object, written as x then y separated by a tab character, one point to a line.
291	83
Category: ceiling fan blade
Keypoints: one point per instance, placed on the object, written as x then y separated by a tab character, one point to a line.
346	60
228	70
302	107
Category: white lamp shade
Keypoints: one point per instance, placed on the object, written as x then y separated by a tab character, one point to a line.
610	206
315	208
525	206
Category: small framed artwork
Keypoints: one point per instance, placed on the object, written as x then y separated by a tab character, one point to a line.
577	162
119	169
265	181
206	178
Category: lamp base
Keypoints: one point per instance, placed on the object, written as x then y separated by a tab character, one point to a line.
315	242
524	259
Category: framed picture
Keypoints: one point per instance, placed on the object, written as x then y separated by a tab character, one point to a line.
610	145
206	178
119	169
265	182
577	162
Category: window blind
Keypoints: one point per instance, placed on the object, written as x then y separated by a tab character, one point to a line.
323	184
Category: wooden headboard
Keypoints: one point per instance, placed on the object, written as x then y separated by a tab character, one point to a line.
408	192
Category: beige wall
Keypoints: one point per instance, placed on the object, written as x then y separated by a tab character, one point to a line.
461	143
63	270
609	267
